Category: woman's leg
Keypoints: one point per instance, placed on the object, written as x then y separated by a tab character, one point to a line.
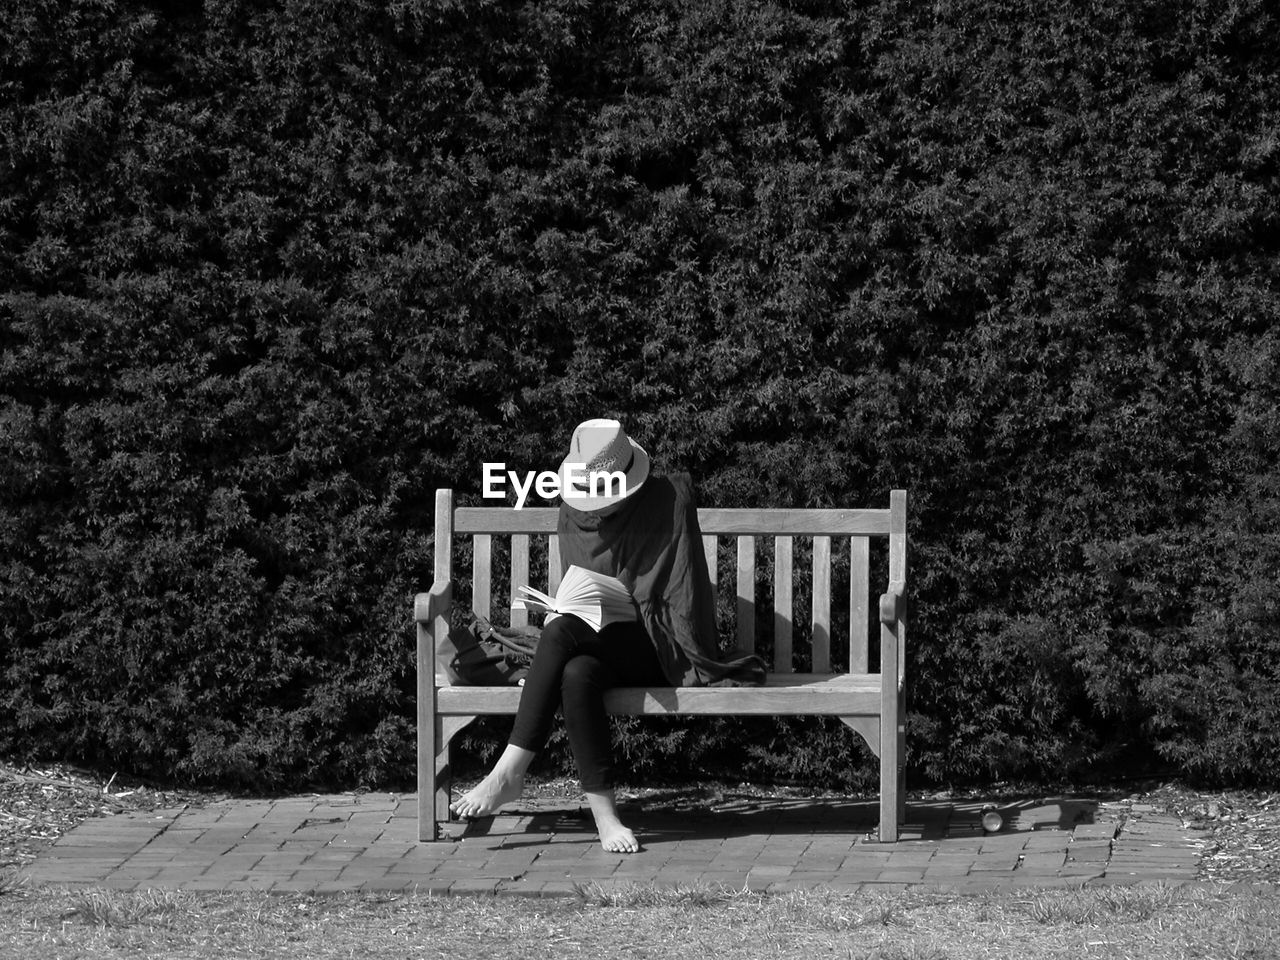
622	655
539	698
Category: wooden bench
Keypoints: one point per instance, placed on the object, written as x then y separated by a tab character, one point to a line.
869	703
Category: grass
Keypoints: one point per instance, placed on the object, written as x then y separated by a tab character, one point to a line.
1159	923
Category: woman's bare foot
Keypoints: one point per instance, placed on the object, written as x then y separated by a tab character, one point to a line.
614	837
504	784
487	796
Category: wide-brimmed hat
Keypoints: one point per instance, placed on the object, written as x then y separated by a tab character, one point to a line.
601	447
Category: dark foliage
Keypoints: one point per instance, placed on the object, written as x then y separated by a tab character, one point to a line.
271	273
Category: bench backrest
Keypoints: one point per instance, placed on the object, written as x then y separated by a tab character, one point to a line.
529	534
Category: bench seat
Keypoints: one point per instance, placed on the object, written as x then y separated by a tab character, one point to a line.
801	694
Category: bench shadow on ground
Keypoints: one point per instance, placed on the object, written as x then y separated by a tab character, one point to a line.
689	814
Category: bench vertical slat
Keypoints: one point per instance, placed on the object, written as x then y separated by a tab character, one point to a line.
482	575
555	569
746	594
821	636
782	605
859	613
519	576
710	548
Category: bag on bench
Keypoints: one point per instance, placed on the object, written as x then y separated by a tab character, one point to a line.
490	656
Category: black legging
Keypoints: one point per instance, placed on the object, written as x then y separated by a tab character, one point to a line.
572	669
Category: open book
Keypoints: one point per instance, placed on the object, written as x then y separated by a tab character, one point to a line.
598	599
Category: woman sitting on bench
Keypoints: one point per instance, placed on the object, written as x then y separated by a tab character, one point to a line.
646	535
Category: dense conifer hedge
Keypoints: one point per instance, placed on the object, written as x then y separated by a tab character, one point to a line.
272	272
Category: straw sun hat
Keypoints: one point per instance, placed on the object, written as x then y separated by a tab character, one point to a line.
601	446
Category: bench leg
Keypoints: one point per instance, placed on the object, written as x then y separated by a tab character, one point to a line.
892	799
428	750
902	765
435	775
446	729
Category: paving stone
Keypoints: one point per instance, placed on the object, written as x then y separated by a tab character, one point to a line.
1038	870
900	875
364	861
770	870
958	856
1146	864
85	862
1082	869
46	873
1002	843
578	872
314	876
776	859
900	860
863	855
948	869
861	872
135	873
461	870
821	863
1094	831
1048	840
1053	860
365	872
334	858
468	852
179	873
736	880
993	865
1081	843
815	876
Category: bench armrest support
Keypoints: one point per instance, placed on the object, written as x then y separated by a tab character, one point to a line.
893	603
436	603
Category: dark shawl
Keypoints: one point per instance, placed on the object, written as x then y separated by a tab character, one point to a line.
652	543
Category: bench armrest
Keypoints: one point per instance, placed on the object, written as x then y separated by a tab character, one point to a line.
893	603
436	603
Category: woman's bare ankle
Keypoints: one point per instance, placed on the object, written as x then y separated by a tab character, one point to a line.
615	836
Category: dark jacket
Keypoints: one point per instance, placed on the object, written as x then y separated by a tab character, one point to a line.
653	544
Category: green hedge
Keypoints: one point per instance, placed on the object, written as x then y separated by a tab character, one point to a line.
271	273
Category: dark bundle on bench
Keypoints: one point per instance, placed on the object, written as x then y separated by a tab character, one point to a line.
869	703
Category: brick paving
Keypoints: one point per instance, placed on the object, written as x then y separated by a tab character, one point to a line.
368	842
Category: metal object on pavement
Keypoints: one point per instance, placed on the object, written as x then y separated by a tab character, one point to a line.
992	821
